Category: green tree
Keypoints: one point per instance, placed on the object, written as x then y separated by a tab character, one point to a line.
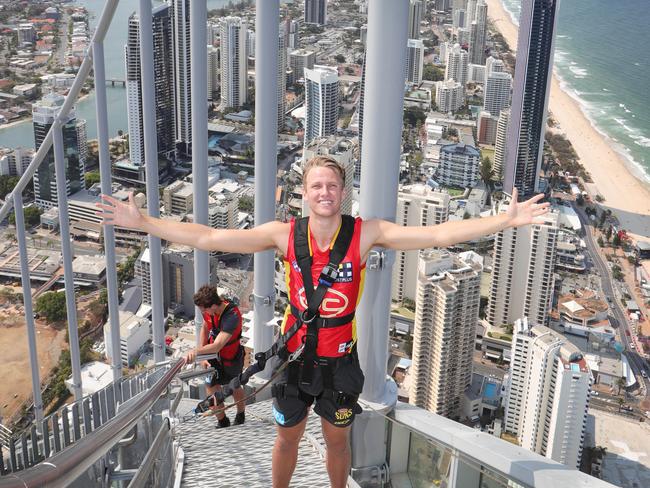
246	203
620	383
52	306
486	172
414	114
32	216
7	183
92	177
339	58
616	241
601	242
408	345
431	72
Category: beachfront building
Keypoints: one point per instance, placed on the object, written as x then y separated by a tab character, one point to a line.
500	144
446	314
530	96
477	32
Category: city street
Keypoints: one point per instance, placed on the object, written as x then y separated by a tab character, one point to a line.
618	318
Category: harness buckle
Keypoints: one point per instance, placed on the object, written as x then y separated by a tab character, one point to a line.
328	275
304	319
296	354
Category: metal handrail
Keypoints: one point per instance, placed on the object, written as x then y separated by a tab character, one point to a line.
73	94
63	468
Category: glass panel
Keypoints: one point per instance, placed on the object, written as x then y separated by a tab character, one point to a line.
428	465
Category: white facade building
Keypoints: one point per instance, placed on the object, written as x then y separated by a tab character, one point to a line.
234	62
522	274
548	395
134	333
321	101
497	92
446	314
414	61
450	96
459	164
457	65
417	205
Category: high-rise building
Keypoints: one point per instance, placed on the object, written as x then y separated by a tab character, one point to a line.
530	95
182	75
299	60
476	73
522	273
486	128
459	164
294	35
417	205
449	96
459	18
282	80
177	275
497	92
415	18
500	144
478	31
213	72
44	113
548	395
414	61
26	35
14	162
446	314
343	150
463	37
470	11
493	65
316	12
250	43
362	94
163	94
234	62
321	102
457	65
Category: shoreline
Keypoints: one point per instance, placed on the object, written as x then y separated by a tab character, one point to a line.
617	179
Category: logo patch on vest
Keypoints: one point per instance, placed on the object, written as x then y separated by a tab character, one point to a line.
345	273
279	417
344	346
294	265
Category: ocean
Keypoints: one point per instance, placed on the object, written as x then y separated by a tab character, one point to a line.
601	60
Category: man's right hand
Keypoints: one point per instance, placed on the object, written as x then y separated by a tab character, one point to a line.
122	214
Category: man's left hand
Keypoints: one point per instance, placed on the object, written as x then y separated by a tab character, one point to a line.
528	212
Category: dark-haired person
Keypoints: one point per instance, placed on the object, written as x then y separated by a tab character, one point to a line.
221	333
323	191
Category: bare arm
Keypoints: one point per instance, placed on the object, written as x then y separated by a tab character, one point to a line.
218	344
392	236
272	235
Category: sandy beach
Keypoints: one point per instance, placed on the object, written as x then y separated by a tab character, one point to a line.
627	196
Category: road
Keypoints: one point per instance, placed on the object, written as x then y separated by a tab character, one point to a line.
618	314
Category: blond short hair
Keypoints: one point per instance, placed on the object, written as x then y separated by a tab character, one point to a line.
323	162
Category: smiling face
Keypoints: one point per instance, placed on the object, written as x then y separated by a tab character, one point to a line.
323	190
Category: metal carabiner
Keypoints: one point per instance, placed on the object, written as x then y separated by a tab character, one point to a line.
303	318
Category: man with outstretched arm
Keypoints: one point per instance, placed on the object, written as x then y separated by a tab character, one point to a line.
328	374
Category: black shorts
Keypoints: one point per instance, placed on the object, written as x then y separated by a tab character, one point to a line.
224	373
337	406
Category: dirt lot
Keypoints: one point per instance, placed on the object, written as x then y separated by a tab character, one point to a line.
17	384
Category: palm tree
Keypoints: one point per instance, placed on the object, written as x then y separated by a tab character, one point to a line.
621	384
621	402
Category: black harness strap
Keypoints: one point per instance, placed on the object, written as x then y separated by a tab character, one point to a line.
326	279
